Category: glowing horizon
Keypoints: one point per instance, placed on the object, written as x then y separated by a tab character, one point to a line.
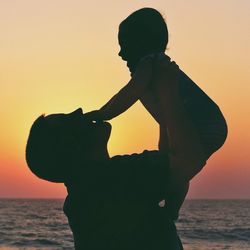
58	56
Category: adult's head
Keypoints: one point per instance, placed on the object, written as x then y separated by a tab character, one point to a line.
62	144
142	33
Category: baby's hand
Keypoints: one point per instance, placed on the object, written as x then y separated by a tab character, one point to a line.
95	115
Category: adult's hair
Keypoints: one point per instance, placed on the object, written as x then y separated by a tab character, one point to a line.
45	154
147	26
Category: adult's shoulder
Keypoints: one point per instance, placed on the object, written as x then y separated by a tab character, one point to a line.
147	156
147	174
147	161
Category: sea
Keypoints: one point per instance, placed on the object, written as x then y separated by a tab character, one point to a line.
34	224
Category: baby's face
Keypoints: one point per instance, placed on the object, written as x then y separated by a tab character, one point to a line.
131	50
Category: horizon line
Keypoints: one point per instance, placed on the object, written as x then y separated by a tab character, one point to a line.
58	198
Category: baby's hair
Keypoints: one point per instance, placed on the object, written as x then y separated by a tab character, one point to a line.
147	26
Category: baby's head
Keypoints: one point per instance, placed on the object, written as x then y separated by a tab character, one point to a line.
142	33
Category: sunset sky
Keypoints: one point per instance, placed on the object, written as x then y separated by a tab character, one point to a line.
56	56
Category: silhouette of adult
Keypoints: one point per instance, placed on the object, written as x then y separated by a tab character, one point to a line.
112	203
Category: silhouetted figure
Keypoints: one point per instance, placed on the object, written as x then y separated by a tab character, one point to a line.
112	203
143	37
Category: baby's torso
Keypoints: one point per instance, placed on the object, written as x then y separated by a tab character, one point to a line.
205	114
203	111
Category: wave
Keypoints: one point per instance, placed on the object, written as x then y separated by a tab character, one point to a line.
213	235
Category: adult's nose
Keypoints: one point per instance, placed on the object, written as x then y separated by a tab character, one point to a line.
77	112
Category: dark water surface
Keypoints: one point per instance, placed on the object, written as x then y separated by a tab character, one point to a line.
203	225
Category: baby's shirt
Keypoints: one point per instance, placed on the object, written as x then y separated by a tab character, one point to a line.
156	56
203	111
205	114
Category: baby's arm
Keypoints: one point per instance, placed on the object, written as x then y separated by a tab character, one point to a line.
150	99
128	95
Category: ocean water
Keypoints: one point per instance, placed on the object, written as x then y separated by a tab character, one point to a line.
215	224
203	225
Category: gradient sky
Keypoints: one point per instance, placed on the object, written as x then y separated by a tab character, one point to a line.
56	56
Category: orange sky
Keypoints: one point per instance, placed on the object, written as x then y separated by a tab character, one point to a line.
56	56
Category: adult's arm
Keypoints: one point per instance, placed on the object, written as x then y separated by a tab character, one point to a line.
163	143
